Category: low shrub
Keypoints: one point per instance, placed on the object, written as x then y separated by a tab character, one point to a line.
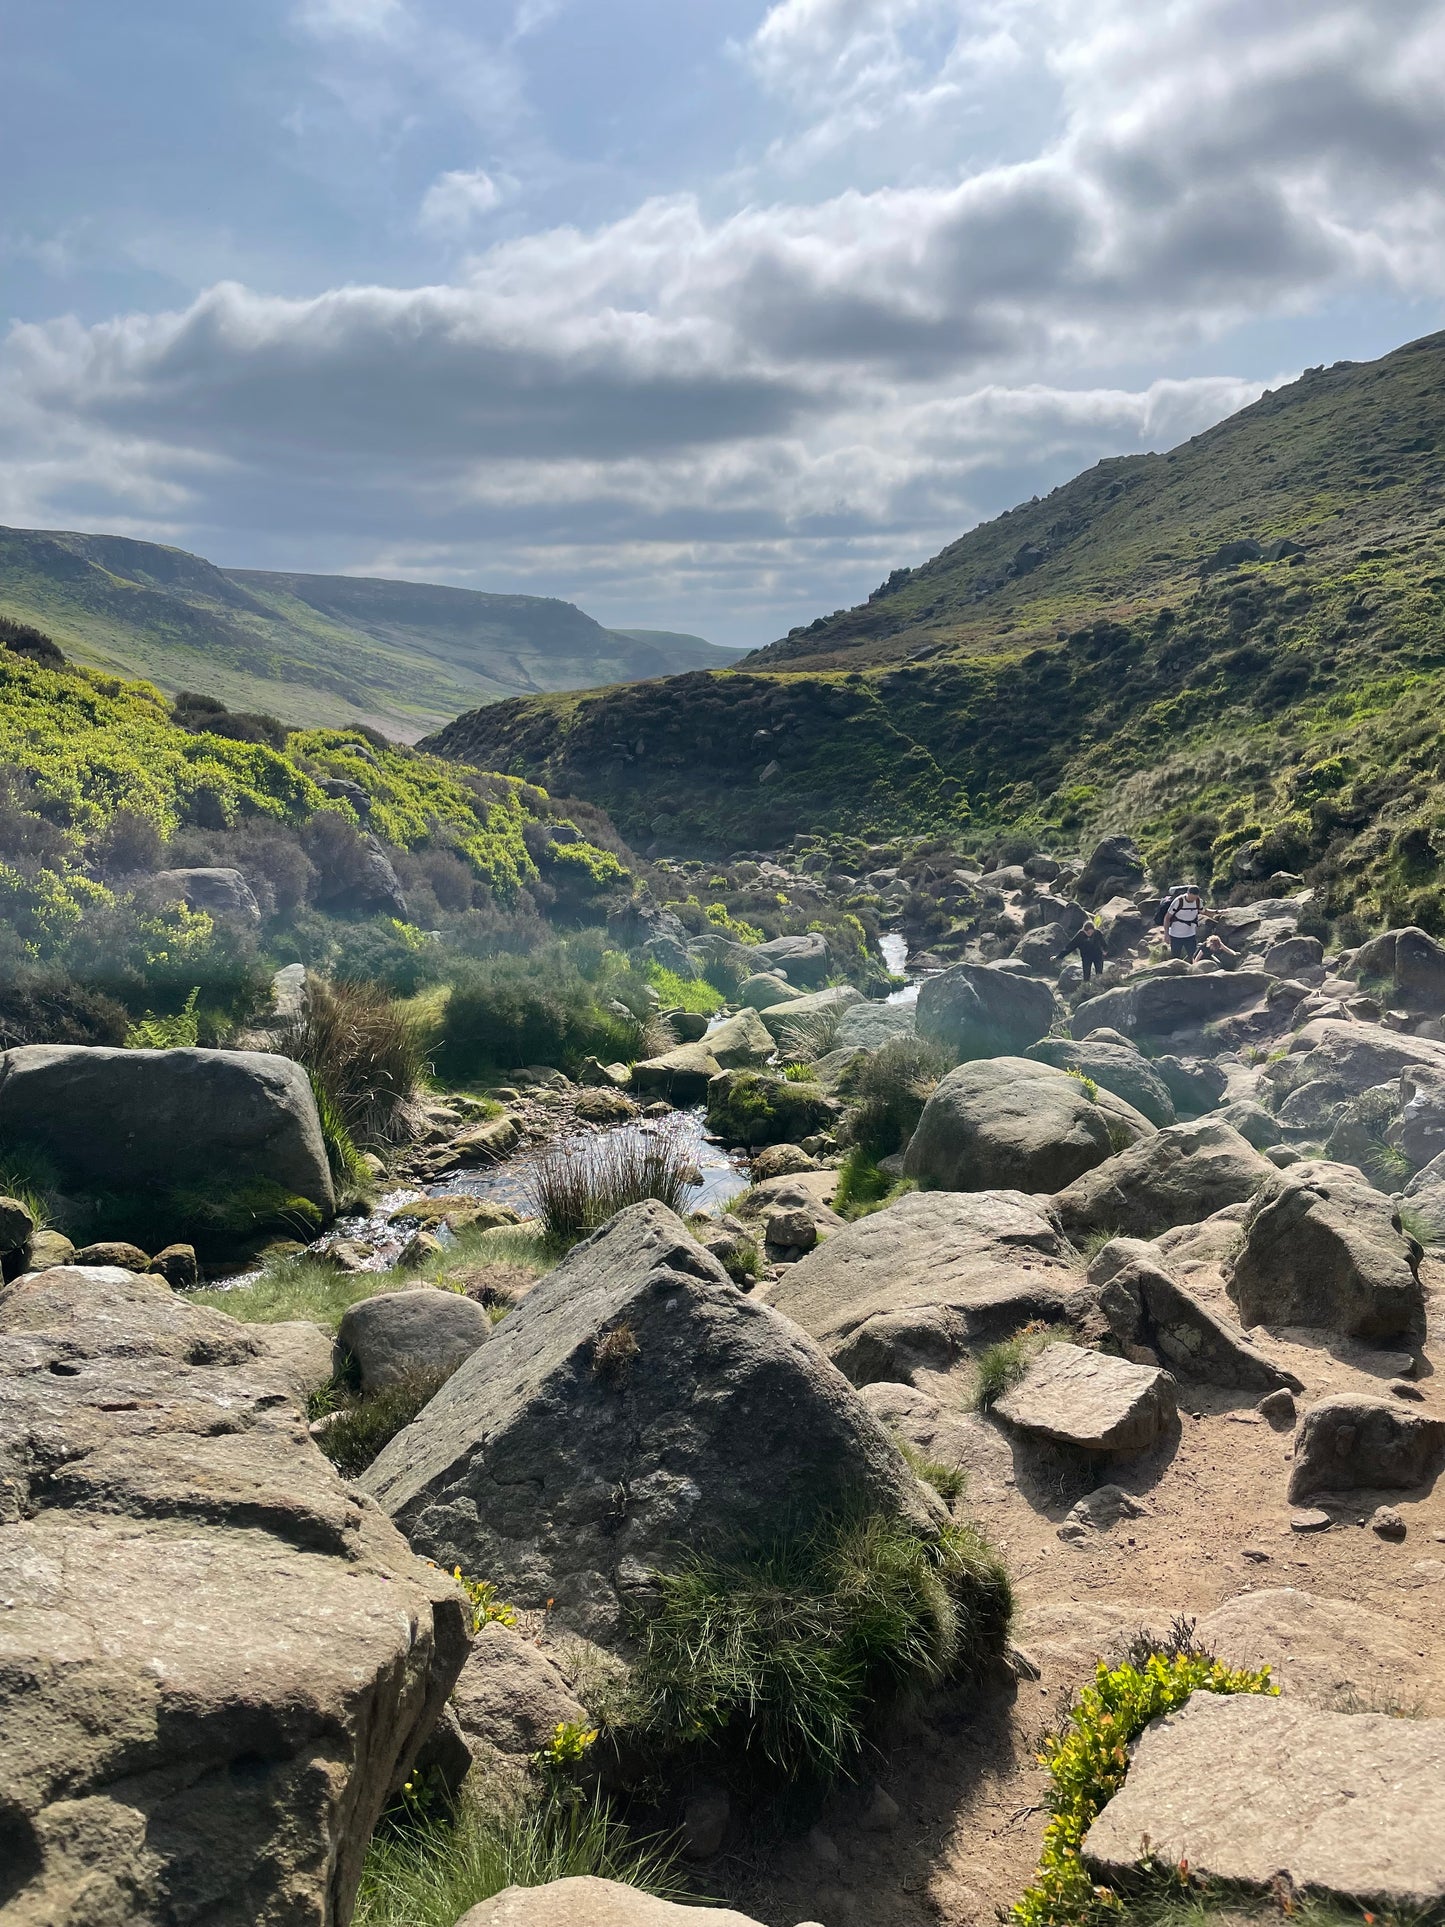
777	1663
888	1092
364	1424
47	1007
508	1011
1088	1758
178	1032
864	1189
576	1188
683	993
364	1051
430	1874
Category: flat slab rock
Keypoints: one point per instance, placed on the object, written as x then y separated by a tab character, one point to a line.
594	1903
1330	1652
1246	1788
1091	1400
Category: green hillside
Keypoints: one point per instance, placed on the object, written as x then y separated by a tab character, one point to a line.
399	656
1235	650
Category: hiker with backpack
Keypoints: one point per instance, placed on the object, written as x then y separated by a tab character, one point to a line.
1090	945
1180	917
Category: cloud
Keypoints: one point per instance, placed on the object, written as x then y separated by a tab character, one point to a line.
845	375
455	200
363	19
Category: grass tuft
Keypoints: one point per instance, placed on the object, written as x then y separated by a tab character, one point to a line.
364	1051
998	1368
367	1423
577	1188
950	1482
777	1663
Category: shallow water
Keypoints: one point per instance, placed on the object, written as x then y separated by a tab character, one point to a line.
894	946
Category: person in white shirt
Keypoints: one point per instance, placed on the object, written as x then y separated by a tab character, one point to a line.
1181	922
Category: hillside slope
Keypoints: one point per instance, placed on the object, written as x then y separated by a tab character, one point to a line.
1236	650
401	656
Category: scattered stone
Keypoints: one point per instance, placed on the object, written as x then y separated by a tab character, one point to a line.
511	1698
47	1249
347	1255
682	1074
1278	1408
603	1104
17	1226
1386	1521
457	1210
1090	1401
490	1142
742	1043
1323	1249
1404	1388
790	1230
1331	1652
113	1251
1310	1519
687	1026
705	1820
803	960
1254	1123
1352	1441
586	1902
177	1265
1007	1121
1152	1314
1409	961
871	1026
1248	1790
780	1161
217	1662
881	1814
560	1483
930	1279
419	1250
221	892
398	1333
1176	1177
764	989
1104	1507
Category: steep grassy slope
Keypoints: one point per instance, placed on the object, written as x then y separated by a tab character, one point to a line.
1236	650
401	656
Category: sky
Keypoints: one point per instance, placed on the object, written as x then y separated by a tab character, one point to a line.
704	314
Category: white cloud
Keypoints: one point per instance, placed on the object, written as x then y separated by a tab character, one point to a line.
365	19
455	200
849	375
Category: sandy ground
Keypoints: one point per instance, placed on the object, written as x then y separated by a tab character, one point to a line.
962	1771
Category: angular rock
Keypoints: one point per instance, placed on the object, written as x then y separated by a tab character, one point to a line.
810	1191
1009	1122
141	1120
1346	1058
948	1435
790	1229
17	1226
1330	1652
742	1042
48	1248
1197	1084
1291	955
217	1660
1408	965
113	1251
978	1010
1114	1066
586	1902
399	1334
223	893
1248	1789
601	1105
1254	1123
559	1479
510	1697
1323	1249
1091	1401
1146	1306
1419	1130
803	960
928	1280
491	1141
1177	1177
1158	1006
1114	865
177	1265
681	1074
1353	1442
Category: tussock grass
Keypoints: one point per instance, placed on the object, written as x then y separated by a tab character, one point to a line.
950	1482
577	1188
365	1424
998	1368
864	1189
889	1090
777	1663
365	1051
299	1288
429	1875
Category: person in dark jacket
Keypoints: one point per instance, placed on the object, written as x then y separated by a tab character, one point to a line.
1090	945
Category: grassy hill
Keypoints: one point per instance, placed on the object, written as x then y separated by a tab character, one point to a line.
1235	650
337	650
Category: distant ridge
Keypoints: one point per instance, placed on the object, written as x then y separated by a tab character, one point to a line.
317	649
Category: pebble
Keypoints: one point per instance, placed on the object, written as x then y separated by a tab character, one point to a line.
1402	1388
1278	1407
881	1813
1310	1519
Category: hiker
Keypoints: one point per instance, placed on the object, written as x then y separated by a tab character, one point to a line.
1180	918
1090	945
1226	958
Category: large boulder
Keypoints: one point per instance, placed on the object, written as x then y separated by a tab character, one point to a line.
1090	1401
1408	965
978	1010
221	892
167	1120
871	1026
1260	1793
1323	1249
1422	1203
1341	1060
778	1017
1159	1005
802	960
1330	1651
1113	1064
1419	1130
1178	1176
764	989
682	1074
634	1403
740	1042
1114	866
1006	1122
587	1902
1354	1442
217	1660
400	1334
928	1280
